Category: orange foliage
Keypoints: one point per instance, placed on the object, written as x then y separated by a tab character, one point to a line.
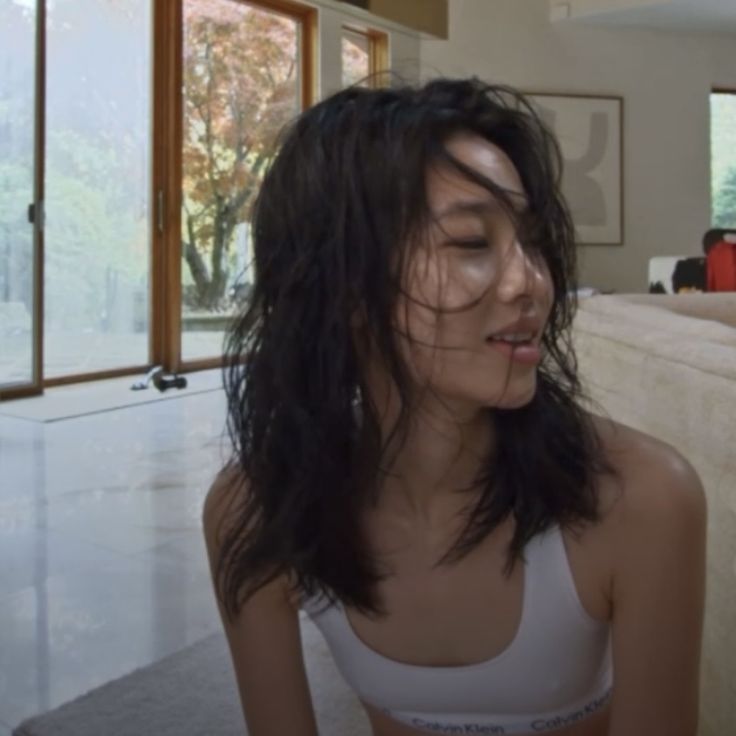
241	85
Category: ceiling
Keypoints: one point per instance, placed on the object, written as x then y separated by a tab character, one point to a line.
706	16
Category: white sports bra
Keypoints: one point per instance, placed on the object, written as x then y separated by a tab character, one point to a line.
556	672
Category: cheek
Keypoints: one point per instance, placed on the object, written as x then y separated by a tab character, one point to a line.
450	283
437	283
423	284
547	288
471	278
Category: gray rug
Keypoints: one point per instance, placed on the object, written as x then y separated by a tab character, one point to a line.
193	693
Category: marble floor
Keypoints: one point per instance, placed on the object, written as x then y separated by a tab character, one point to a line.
103	568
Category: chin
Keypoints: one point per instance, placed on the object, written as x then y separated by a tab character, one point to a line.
510	404
514	398
517	395
514	405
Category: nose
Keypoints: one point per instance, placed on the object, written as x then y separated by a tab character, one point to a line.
519	273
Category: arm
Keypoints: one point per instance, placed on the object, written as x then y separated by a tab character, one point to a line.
658	599
264	642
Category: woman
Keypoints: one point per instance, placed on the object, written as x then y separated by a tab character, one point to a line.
412	464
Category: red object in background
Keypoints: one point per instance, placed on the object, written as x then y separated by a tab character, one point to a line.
721	266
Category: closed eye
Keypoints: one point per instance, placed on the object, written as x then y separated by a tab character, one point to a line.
476	243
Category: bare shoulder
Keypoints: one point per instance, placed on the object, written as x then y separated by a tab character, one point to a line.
228	486
657	481
225	496
658	470
655	541
263	635
222	517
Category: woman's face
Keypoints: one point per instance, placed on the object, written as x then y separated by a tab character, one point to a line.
472	252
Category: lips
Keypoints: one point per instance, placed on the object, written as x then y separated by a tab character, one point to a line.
499	338
535	339
528	353
523	326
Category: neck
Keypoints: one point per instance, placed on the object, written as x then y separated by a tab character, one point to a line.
445	449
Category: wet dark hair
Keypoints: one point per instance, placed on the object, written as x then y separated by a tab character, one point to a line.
339	211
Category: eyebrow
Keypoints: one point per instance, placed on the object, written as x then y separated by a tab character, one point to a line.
478	207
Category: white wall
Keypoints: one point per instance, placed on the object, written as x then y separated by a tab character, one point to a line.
584	7
685	16
665	79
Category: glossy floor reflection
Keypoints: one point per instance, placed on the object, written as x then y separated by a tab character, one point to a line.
103	562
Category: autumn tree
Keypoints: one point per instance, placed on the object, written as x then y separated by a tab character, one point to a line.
241	86
355	58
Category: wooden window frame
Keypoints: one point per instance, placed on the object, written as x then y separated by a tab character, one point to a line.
378	49
166	180
166	335
35	386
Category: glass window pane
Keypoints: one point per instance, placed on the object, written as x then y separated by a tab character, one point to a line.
356	57
241	85
723	160
98	117
17	71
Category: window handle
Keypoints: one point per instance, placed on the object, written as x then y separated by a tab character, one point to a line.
32	214
160	213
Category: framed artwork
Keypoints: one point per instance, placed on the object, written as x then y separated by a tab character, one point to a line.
590	133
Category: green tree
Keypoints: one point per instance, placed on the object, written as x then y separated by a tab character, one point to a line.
95	231
724	202
89	222
723	157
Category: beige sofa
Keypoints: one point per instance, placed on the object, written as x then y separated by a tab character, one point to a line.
666	365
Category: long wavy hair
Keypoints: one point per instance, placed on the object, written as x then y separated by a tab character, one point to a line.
340	211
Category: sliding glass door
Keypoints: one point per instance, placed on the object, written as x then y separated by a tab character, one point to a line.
97	171
19	261
124	219
246	72
75	172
